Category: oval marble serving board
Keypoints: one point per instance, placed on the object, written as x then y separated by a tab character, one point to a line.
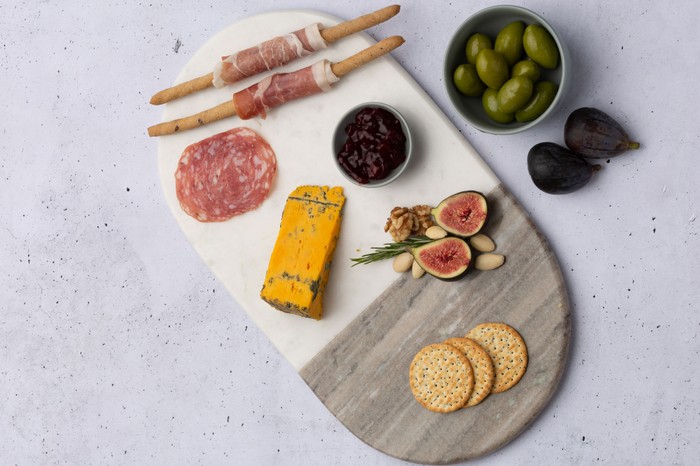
356	358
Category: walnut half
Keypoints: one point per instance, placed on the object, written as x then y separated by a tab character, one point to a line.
404	221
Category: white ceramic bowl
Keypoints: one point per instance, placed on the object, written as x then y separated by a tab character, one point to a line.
490	21
339	138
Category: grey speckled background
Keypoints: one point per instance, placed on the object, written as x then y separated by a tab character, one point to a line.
117	346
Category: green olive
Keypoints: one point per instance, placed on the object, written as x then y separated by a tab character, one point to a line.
527	68
514	94
490	102
492	68
475	44
542	97
467	80
509	42
539	45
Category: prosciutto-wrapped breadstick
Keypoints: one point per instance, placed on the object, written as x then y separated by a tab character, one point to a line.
274	53
271	54
279	88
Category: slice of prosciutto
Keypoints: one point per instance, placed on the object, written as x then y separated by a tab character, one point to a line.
279	88
270	54
225	175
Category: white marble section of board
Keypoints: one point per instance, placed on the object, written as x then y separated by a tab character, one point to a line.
300	132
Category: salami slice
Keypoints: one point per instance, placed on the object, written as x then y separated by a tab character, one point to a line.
225	175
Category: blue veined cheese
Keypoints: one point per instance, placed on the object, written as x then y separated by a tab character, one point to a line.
301	258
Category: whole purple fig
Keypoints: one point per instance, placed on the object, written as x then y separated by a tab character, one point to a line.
556	170
593	133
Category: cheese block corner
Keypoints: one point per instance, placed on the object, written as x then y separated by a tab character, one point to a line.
301	258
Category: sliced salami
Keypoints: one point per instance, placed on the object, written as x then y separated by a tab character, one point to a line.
225	175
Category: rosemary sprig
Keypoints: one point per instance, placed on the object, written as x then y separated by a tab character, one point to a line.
389	250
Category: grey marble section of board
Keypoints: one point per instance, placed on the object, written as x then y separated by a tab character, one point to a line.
362	375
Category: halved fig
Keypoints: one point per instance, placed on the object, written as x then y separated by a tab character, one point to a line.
445	258
462	214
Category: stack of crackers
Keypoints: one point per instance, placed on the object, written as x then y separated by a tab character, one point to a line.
461	372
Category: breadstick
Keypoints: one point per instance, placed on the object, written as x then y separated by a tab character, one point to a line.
183	89
367	55
211	115
329	35
228	109
347	28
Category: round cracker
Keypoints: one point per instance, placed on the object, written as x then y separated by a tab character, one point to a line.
441	378
507	350
481	365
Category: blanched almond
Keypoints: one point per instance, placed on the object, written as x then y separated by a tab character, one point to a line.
435	232
482	243
403	262
416	270
489	261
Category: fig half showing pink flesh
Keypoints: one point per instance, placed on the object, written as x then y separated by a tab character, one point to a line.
445	258
462	214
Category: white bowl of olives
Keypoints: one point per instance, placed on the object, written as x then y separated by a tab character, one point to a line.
506	69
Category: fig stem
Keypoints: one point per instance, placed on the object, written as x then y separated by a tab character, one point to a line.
596	167
633	145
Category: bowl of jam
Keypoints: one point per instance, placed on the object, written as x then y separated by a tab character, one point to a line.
372	144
